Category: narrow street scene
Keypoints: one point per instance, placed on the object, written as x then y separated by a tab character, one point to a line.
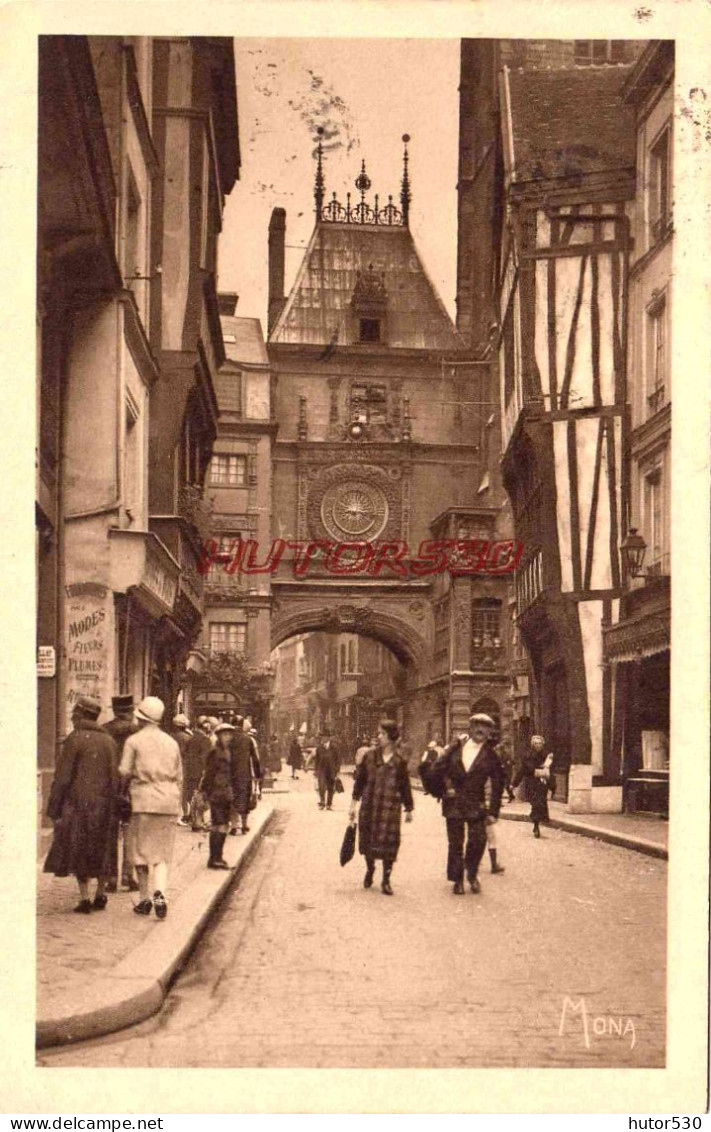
304	967
353	534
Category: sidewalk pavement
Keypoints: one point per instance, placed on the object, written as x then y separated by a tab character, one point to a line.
99	973
644	833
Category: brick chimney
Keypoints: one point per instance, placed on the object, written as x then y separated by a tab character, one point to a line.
277	240
227	302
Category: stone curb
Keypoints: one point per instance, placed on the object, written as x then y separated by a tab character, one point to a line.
622	840
136	988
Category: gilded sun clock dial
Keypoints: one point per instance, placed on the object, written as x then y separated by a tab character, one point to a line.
354	511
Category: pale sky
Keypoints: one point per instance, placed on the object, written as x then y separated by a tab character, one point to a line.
366	94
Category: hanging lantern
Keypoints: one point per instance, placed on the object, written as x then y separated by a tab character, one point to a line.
633	549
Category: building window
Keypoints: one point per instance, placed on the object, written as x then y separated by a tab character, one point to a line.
486	624
369	330
659	186
591	52
369	403
352	657
344	659
654	520
228	471
132	462
131	266
228	387
228	636
220	572
656	355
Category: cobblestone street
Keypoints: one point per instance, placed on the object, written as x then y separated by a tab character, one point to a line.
303	967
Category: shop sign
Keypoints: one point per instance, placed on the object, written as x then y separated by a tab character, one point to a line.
46	660
157	580
87	635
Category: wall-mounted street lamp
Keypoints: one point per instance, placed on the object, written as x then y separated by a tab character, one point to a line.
633	549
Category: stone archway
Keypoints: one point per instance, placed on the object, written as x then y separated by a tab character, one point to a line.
398	630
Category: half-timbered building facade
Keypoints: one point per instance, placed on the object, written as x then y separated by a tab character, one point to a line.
561	174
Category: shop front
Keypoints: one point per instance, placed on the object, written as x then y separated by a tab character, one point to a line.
638	650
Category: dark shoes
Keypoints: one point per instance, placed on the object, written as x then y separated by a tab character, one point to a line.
245	829
458	889
368	879
233	831
498	869
219	864
131	885
112	886
385	886
329	807
84	906
475	886
143	908
160	905
320	805
536	831
100	902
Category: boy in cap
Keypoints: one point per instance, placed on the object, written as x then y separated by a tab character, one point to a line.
459	779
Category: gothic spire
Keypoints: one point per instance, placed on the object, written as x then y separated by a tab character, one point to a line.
405	195
319	188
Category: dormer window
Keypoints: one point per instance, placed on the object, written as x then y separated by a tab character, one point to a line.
369	330
369	306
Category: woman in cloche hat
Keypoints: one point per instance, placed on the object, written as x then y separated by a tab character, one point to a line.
152	766
82	804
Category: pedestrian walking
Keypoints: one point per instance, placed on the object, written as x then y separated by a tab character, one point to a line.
364	745
119	728
535	774
382	785
182	734
295	758
216	785
245	768
194	762
458	778
503	750
82	805
326	767
152	767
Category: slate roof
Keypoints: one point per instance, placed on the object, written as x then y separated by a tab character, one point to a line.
318	310
569	123
244	341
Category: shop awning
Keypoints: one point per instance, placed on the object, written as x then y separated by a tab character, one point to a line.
637	637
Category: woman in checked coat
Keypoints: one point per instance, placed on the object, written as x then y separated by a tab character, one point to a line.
382	785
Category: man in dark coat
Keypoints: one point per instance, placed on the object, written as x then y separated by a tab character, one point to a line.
119	728
195	758
182	734
458	778
82	805
327	764
243	775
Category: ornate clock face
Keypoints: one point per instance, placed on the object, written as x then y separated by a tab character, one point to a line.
354	511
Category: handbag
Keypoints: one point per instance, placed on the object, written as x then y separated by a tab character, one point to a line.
348	844
338	785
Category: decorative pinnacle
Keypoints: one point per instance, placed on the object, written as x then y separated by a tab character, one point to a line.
320	183
362	181
405	194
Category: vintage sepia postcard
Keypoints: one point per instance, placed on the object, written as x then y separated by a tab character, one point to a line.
368	722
